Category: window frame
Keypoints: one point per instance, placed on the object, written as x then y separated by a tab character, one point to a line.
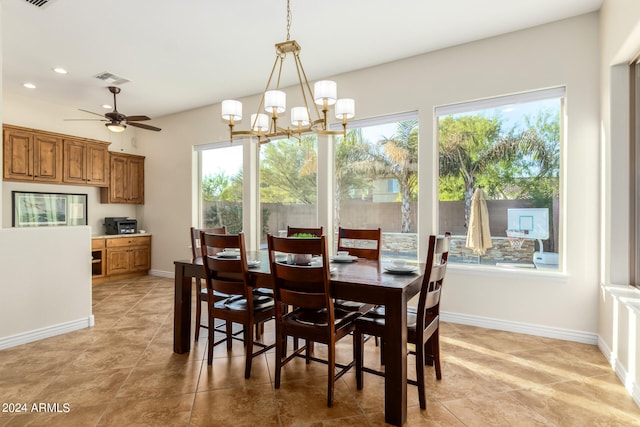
558	92
634	175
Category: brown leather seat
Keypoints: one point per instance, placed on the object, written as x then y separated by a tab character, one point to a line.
422	322
201	294
230	276
314	318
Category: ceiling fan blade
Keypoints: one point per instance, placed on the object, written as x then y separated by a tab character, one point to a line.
91	112
143	126
137	118
85	120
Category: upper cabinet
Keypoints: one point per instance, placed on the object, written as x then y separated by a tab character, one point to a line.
31	156
126	182
86	163
34	155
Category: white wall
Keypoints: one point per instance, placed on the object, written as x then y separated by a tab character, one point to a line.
619	315
562	53
45	282
45	278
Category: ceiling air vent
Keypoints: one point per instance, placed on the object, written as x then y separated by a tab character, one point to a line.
39	3
111	78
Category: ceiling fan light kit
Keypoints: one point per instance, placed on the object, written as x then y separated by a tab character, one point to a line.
117	122
115	127
273	102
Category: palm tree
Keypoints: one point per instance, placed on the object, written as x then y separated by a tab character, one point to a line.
473	146
397	158
352	159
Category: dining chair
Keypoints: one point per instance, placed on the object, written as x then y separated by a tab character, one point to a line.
363	243
308	289
422	322
230	276
315	231
202	295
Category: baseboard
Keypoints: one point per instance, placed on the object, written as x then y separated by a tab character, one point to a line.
49	331
522	328
161	273
627	380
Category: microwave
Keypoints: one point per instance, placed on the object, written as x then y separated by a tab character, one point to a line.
120	225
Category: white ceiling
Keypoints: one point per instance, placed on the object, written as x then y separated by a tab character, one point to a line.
180	55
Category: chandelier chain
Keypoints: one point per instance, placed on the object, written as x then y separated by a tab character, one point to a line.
288	20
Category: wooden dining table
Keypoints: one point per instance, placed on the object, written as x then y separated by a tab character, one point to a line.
362	280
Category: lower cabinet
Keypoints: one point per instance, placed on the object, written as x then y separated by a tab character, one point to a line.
123	256
98	263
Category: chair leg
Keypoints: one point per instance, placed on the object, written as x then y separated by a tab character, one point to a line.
198	310
331	377
248	354
420	376
381	351
210	342
281	351
358	349
229	326
435	349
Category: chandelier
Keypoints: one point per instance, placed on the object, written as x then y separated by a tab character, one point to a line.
273	102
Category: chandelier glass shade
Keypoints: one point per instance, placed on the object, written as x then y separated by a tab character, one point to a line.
311	117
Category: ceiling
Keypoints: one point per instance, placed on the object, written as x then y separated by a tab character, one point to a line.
183	55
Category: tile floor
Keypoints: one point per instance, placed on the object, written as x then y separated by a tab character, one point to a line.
123	372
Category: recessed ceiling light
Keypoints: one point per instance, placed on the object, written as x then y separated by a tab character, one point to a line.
107	106
29	85
60	70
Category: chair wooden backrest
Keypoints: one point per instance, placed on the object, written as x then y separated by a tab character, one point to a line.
370	236
229	276
195	238
306	287
429	301
442	247
315	231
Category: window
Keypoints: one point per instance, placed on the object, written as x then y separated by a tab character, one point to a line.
635	173
510	148
376	181
220	186
288	185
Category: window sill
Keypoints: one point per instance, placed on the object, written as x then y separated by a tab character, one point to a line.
627	294
494	270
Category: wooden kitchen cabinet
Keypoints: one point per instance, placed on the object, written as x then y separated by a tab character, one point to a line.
126	182
98	260
29	155
122	256
86	163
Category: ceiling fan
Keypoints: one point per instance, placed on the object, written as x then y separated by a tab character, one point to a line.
116	121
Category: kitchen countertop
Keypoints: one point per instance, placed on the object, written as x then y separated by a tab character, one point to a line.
117	236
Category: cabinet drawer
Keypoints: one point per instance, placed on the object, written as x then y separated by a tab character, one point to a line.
97	243
119	242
